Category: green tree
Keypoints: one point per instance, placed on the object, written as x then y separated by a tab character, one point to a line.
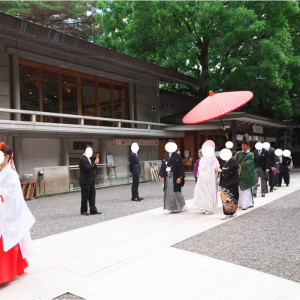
226	45
77	18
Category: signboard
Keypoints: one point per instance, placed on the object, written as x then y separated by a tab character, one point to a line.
257	129
128	142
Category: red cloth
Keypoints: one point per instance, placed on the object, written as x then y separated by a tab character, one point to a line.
12	263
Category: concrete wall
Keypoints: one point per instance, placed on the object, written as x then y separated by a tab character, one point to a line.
4	80
39	152
147	95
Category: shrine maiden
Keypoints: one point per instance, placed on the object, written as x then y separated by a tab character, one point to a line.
15	221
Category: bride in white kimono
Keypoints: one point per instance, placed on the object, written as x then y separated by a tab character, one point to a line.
206	190
15	221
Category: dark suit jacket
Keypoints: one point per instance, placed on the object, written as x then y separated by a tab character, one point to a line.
286	161
260	160
134	164
86	171
176	164
271	159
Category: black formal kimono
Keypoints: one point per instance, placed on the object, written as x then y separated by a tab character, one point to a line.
284	171
229	183
87	184
135	170
172	168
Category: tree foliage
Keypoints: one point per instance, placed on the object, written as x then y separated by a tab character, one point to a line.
226	45
77	18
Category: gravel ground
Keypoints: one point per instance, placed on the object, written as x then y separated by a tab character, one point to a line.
266	239
60	213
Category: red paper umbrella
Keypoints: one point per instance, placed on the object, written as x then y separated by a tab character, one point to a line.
216	106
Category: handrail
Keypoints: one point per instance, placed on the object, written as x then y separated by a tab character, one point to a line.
105	165
82	118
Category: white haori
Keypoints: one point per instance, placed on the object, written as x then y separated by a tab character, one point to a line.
245	198
15	216
206	190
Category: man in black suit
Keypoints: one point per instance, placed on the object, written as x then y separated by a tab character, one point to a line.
87	182
135	171
284	171
271	164
260	162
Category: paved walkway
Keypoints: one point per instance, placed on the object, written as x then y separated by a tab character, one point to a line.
131	258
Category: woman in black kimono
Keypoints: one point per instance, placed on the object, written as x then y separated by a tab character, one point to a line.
229	183
172	173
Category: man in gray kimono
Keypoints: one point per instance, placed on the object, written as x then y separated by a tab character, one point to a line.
172	173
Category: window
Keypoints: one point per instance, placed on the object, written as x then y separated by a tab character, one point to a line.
29	90
88	100
50	95
69	97
50	89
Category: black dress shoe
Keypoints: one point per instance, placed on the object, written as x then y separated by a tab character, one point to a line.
136	199
263	194
254	195
85	213
140	198
96	213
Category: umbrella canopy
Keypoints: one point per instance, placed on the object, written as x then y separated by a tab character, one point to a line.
216	106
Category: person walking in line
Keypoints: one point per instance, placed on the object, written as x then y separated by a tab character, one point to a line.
245	159
16	221
205	194
172	174
260	162
196	165
284	171
278	153
270	164
135	171
87	182
229	183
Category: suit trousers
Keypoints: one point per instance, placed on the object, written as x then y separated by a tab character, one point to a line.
135	186
285	174
271	179
88	194
259	172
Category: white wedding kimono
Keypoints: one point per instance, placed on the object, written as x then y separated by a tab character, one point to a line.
15	216
206	190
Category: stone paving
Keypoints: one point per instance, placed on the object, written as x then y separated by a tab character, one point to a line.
133	256
60	213
266	239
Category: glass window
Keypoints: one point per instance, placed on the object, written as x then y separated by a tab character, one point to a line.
104	101
50	95
29	90
88	100
118	101
69	97
50	89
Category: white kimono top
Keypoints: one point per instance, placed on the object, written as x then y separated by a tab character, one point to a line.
15	216
205	195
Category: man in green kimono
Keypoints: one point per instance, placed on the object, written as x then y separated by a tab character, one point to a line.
245	158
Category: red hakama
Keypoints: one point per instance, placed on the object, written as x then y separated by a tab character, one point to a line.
12	263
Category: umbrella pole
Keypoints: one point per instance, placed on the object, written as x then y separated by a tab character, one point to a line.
224	129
